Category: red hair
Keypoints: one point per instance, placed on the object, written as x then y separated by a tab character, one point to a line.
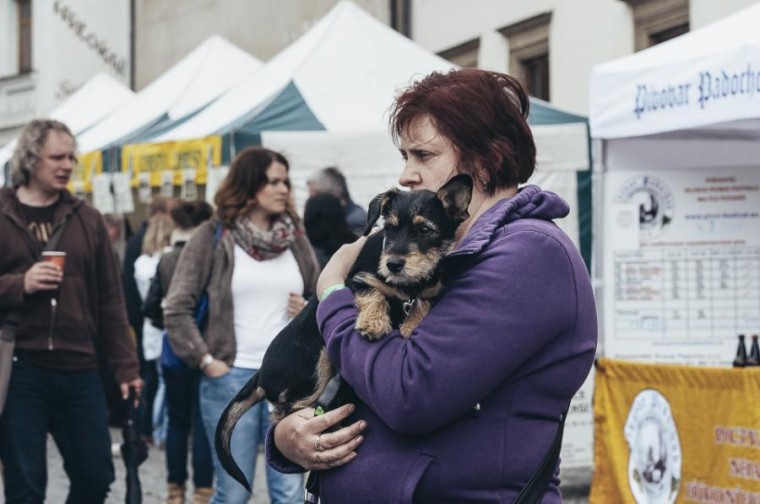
483	114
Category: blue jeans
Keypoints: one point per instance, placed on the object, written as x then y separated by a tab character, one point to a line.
160	418
250	432
71	406
184	418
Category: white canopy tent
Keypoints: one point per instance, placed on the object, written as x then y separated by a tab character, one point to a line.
187	87
324	101
90	104
345	68
677	146
698	94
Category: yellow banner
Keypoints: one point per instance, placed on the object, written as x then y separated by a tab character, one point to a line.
89	164
181	158
667	434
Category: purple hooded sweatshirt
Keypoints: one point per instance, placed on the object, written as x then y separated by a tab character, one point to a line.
513	332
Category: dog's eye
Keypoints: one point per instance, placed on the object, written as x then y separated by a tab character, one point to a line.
426	230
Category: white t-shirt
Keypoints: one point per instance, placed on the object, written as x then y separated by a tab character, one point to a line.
260	291
145	270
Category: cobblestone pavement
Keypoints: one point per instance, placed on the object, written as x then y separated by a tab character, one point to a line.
575	485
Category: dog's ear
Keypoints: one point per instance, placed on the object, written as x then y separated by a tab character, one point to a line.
377	207
455	195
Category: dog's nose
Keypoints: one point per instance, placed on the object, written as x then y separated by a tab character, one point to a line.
395	265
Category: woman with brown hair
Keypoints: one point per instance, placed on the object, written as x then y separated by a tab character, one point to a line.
255	264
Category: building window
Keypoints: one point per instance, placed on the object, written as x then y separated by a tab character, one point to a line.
656	21
401	16
529	53
24	35
536	76
465	55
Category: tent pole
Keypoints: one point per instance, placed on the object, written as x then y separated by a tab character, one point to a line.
599	167
232	146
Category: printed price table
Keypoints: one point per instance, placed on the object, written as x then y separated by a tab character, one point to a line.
679	294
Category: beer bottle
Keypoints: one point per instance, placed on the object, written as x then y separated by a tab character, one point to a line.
741	353
754	353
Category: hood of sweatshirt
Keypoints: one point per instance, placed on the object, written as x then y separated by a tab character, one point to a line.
531	202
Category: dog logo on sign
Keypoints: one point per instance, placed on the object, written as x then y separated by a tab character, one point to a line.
654	463
654	200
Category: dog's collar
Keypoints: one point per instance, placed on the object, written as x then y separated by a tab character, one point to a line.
408	305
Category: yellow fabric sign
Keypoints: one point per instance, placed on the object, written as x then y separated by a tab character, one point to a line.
668	434
88	165
180	158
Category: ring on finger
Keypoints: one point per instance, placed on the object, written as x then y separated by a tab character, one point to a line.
318	444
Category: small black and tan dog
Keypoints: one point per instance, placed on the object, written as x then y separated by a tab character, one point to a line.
394	279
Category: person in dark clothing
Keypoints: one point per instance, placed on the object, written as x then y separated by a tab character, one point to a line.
330	180
133	302
182	381
71	312
326	226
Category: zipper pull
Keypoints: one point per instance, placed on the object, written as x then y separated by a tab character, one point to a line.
53	306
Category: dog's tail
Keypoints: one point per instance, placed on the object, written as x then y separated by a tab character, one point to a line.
248	396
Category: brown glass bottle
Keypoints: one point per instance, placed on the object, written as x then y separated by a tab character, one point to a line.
754	353
741	353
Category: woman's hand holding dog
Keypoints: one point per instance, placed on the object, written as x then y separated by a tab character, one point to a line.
337	268
304	438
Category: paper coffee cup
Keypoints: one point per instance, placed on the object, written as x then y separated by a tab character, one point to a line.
54	257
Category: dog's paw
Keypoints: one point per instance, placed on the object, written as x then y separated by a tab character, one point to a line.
373	321
373	328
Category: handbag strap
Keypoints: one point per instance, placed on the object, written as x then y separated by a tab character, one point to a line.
16	316
535	488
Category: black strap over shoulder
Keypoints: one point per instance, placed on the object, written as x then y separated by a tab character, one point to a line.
535	488
56	236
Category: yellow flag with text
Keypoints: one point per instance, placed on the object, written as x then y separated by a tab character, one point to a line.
667	434
184	158
88	165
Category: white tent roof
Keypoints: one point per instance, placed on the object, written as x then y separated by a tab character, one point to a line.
90	104
346	68
191	84
706	81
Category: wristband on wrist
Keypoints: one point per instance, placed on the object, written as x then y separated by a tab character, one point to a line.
330	290
205	361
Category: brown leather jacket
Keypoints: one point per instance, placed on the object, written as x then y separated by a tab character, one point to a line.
90	309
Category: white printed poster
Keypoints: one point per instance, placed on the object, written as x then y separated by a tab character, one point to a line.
102	197
122	192
578	439
215	177
682	283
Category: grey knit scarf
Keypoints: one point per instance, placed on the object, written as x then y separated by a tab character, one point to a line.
265	244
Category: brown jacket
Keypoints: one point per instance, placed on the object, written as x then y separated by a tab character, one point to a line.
201	266
90	311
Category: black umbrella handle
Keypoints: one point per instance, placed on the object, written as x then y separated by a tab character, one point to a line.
131	408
